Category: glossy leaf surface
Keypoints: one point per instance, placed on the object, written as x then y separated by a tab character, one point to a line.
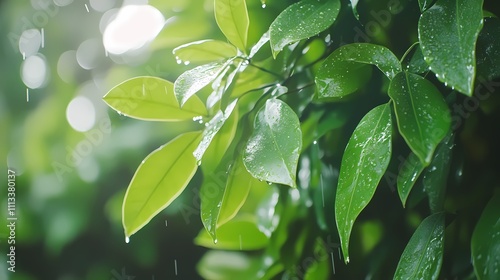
272	152
152	99
408	175
364	162
232	19
422	114
204	51
192	81
423	255
347	69
302	20
448	32
485	244
159	180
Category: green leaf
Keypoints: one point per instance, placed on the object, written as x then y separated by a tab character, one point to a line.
408	175
354	6
302	20
232	19
424	4
423	255
346	70
228	265
192	81
272	152
436	175
448	32
320	268
241	233
415	63
159	180
485	243
268	214
488	50
204	51
213	126
365	160
262	41
422	114
152	99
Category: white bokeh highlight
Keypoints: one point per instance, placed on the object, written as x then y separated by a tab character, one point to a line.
34	71
132	28
81	114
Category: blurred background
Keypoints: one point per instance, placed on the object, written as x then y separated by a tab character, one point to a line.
74	157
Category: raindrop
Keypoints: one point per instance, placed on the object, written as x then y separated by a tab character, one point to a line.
263	5
198	162
186	62
269	183
315	142
127	239
215	241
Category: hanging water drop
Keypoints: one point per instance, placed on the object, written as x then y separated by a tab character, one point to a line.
315	142
263	5
127	239
215	241
198	162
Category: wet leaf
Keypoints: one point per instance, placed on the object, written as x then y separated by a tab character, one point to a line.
408	175
302	20
488	50
272	152
354	6
423	255
241	233
448	32
347	69
436	174
159	180
424	4
192	81
232	19
485	243
211	130
151	99
422	114
267	216
415	62
204	51
262	41
364	162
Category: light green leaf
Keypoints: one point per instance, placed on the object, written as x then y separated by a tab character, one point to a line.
152	99
436	174
268	214
213	126
347	69
272	152
422	114
302	20
423	255
204	51
448	32
408	175
159	180
228	265
232	19
241	233
364	162
262	41
485	243
192	81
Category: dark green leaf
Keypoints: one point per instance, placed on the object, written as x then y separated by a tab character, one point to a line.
232	18
423	256
346	70
424	4
448	32
422	114
320	268
204	51
302	20
415	62
272	152
485	244
192	81
152	99
408	175
488	50
436	175
241	233
159	180
364	162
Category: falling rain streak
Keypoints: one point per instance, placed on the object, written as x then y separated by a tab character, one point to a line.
87	8
175	266
43	37
27	95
